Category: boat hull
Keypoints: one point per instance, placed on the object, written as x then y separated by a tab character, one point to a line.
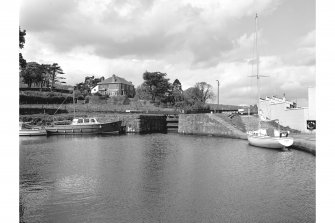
270	142
100	128
32	132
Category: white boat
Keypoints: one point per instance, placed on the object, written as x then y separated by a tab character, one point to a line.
27	130
261	138
266	138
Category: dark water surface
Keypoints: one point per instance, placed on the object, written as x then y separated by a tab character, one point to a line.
162	178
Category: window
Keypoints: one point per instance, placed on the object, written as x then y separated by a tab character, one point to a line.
92	120
86	120
80	120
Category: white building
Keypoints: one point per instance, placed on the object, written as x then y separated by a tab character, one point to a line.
287	112
95	89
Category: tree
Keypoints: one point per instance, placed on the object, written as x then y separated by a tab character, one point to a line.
206	91
142	92
177	92
55	70
156	83
32	73
22	40
192	96
177	85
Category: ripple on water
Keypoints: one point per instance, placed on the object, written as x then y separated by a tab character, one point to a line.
163	177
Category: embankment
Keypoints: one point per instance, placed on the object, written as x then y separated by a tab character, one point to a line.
212	124
235	126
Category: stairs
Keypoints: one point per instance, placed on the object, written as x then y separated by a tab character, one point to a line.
229	125
250	122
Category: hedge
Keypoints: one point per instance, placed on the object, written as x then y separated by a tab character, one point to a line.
31	99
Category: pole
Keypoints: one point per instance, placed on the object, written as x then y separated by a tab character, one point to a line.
257	70
74	108
218	91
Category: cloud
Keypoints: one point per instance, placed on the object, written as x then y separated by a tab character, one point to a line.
305	53
192	40
308	39
142	29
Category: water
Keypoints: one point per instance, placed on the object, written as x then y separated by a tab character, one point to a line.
162	178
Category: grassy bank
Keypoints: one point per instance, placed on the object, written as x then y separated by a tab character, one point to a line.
90	108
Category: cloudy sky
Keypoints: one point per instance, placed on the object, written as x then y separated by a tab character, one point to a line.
192	40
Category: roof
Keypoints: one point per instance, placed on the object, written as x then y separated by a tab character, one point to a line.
115	80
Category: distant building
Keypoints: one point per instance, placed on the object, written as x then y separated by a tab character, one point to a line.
287	112
115	86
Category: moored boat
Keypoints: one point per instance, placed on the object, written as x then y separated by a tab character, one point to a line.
261	139
266	138
84	126
27	130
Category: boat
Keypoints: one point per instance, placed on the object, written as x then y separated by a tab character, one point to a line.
27	130
83	125
261	138
266	138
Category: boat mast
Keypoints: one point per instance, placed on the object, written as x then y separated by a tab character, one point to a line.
257	71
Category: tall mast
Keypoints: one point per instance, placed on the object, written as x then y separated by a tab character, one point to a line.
257	57
257	70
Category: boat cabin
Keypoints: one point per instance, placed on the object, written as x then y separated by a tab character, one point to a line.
84	121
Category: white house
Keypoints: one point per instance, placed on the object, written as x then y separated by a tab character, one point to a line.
287	112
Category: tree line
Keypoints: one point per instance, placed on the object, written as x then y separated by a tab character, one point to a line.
42	75
158	89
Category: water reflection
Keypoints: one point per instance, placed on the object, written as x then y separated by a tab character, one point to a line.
162	178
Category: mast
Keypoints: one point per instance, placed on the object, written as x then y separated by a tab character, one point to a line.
257	70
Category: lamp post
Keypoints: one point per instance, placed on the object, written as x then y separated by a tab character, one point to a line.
218	90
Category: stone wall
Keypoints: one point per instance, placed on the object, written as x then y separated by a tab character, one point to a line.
208	124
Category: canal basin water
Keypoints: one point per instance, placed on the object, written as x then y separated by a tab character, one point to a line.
162	178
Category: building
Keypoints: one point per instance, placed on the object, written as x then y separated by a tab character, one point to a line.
115	86
288	113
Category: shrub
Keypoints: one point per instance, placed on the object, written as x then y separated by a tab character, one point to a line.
97	94
87	99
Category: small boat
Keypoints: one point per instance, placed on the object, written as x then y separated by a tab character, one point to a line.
28	130
262	138
83	126
266	138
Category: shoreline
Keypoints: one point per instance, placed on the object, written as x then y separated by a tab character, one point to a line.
305	142
222	128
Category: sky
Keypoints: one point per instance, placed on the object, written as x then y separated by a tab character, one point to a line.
189	40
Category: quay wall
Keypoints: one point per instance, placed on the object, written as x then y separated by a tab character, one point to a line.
305	142
208	124
198	124
220	125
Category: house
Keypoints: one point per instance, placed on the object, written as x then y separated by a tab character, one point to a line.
115	86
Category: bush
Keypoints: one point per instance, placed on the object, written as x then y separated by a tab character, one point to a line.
87	99
119	100
30	99
95	99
